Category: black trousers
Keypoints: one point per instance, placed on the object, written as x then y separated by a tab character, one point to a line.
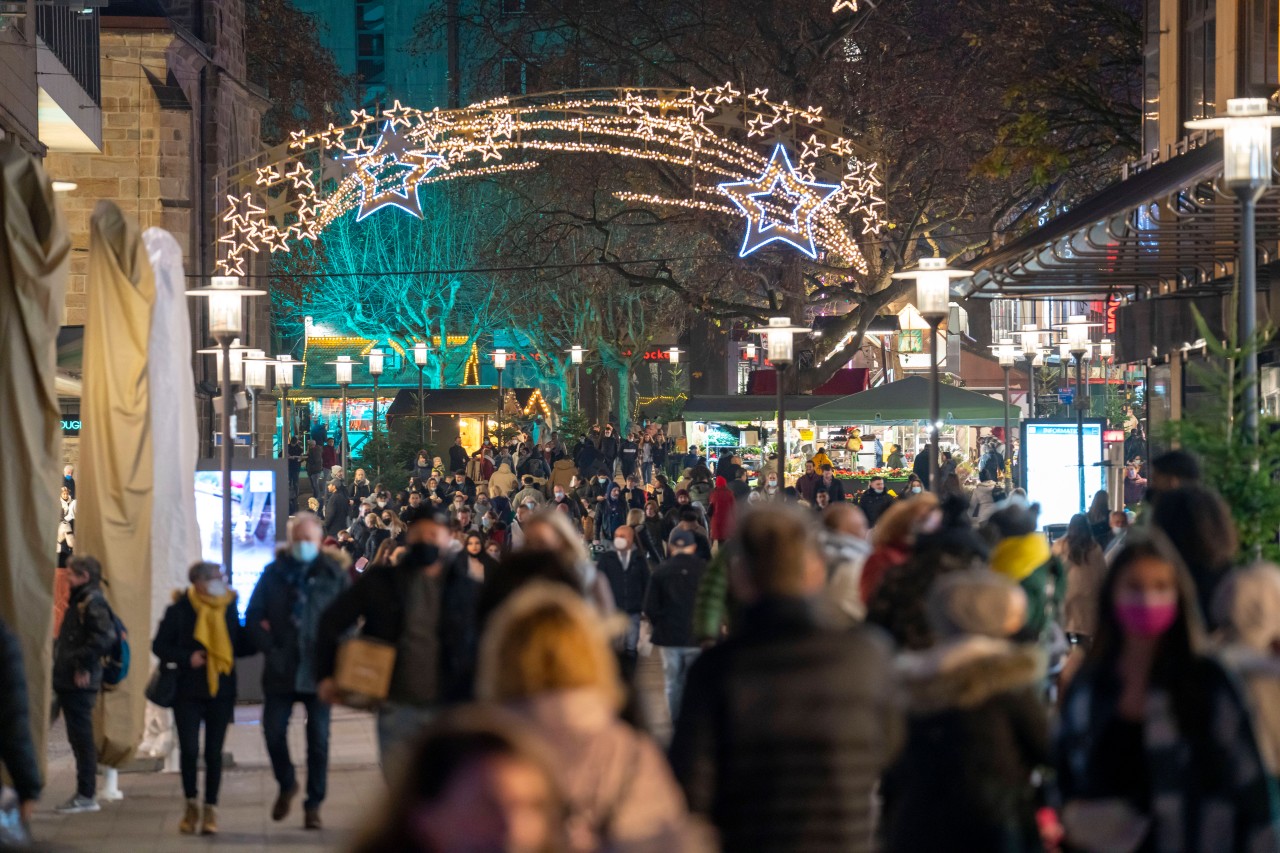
77	712
216	714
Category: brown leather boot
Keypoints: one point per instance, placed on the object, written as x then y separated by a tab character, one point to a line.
312	820
190	818
210	824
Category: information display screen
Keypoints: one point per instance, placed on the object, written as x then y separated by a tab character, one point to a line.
1050	458
255	528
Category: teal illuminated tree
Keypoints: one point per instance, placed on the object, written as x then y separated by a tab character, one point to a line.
395	277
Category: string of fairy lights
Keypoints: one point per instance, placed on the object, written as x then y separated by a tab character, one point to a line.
779	166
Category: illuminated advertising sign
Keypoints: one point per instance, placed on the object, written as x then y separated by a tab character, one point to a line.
257	528
1052	473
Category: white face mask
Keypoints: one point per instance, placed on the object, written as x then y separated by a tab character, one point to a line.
877	489
559	495
382	503
621	543
216	588
915	490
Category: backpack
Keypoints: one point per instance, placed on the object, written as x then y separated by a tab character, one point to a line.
115	664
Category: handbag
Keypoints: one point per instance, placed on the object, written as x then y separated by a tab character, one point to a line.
162	689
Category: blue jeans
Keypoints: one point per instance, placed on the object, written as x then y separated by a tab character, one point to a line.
676	661
276	710
398	727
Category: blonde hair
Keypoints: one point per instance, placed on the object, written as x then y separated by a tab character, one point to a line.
544	638
898	524
776	545
634	517
571	546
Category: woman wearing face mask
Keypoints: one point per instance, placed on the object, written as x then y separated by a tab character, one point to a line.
1155	751
611	514
474	559
769	489
361	488
201	636
378	534
654	525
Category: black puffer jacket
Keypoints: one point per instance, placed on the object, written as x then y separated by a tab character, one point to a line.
977	729
87	633
785	729
379	597
288	638
175	642
17	750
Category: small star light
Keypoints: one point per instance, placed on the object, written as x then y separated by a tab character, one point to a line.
779	205
851	5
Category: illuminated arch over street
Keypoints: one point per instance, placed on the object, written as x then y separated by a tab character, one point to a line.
786	171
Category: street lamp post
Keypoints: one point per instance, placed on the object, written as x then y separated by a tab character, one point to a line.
1078	345
342	372
376	359
933	301
1105	351
284	379
420	361
1247	164
1006	352
255	379
1031	352
500	364
576	354
779	338
226	321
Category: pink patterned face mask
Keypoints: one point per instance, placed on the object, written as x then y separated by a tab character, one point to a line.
1146	615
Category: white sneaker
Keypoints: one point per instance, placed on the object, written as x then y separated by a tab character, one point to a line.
78	805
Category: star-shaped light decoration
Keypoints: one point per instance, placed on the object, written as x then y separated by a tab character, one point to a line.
779	205
851	5
390	171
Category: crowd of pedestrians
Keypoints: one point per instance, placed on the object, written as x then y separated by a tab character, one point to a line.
922	671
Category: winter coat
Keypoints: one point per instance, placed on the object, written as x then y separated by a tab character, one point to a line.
834	489
722	505
503	482
175	642
785	729
669	600
287	640
882	559
610	514
380	597
374	541
458	458
628	585
1080	603
86	635
976	730
898	603
649	540
1260	674
562	474
1208	787
982	503
845	556
1027	561
873	504
17	749
336	512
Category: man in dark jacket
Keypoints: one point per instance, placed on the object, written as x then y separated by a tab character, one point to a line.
740	487
668	605
807	483
920	466
458	456
790	698
425	606
294	454
829	484
284	619
17	750
86	635
628	574
609	446
336	508
628	454
875	500
460	483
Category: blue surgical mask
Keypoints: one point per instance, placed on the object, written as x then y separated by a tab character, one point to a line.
304	551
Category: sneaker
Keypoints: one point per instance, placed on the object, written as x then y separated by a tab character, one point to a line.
284	801
312	820
79	805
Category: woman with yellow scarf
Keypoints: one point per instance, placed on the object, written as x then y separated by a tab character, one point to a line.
201	637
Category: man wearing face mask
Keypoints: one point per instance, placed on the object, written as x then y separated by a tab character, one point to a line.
283	621
628	574
424	605
461	483
769	488
561	497
875	500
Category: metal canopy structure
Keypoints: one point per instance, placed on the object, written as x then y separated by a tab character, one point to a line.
1167	230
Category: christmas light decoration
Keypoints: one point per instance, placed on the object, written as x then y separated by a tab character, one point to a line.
851	5
295	190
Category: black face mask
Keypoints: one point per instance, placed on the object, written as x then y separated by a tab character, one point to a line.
420	554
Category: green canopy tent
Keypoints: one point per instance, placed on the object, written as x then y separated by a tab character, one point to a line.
907	401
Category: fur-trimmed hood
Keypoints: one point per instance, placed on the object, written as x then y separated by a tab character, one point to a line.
965	672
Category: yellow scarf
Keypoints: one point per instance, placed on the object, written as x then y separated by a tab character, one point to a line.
211	632
1019	556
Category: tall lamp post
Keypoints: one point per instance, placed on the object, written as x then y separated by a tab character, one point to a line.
933	301
1031	352
255	379
1106	349
420	361
576	355
1077	344
342	373
1247	164
284	381
779	338
226	322
376	361
1006	352
500	364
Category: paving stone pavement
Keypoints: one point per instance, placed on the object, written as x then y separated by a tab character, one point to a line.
147	819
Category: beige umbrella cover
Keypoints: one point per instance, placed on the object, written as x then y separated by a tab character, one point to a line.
114	493
34	256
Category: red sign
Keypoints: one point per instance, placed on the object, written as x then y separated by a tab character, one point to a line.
1113	436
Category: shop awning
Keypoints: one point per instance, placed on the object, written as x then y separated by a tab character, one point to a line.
748	407
907	401
456	401
1166	228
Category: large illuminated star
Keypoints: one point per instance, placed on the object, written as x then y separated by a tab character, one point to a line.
779	205
389	173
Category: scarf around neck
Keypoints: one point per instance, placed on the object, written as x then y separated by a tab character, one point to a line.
211	632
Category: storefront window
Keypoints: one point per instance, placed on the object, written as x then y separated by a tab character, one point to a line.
1199	31
1261	58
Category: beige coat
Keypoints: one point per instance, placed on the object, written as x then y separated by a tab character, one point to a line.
503	481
